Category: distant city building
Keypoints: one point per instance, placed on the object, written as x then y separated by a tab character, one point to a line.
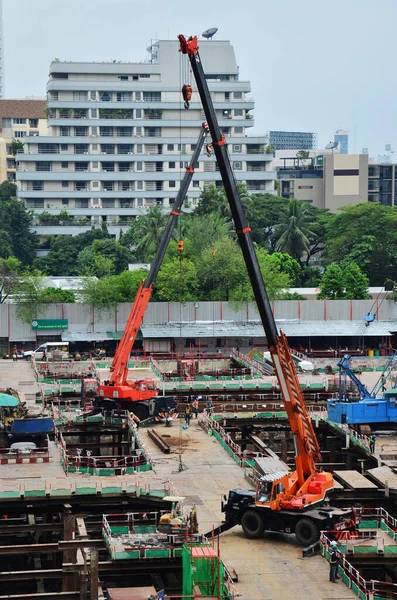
382	183
326	181
293	140
120	140
19	118
342	138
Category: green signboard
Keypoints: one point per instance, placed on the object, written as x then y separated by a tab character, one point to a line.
49	324
320	160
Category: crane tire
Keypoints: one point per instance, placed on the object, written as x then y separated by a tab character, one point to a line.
252	524
307	532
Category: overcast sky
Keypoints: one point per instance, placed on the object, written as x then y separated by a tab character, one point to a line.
314	65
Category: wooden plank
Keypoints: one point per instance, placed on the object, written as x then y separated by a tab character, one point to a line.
354	480
383	475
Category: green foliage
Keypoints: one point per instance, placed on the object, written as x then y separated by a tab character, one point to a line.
365	234
294	233
28	295
287	264
145	234
15	233
10	269
64	251
177	281
52	294
16	146
104	257
104	294
347	282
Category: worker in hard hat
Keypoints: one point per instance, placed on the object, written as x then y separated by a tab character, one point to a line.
333	562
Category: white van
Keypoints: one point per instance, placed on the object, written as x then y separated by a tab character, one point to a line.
49	347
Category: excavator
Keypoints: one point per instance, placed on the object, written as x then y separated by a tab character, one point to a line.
141	396
285	501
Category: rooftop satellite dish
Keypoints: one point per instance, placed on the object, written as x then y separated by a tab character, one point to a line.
209	33
331	145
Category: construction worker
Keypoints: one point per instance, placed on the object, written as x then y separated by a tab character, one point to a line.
333	562
372	441
196	406
209	405
188	414
15	354
383	383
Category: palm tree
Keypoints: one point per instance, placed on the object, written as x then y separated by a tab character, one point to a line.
149	230
294	233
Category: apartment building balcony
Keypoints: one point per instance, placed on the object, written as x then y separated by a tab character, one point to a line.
73	229
70	85
86	104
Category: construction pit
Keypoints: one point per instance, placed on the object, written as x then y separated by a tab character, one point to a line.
41	504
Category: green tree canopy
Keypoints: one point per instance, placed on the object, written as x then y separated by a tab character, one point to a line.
346	282
294	233
52	294
17	239
364	234
104	257
106	293
64	250
145	233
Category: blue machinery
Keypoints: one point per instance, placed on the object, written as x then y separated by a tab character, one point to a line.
377	406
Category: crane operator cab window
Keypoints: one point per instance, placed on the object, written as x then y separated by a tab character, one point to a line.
264	491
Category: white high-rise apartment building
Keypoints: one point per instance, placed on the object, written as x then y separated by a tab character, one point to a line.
119	138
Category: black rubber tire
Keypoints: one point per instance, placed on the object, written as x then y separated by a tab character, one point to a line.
140	410
252	524
307	532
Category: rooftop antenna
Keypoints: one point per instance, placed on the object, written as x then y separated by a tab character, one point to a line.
208	34
331	146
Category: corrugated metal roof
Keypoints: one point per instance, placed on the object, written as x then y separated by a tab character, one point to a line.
292	328
101	336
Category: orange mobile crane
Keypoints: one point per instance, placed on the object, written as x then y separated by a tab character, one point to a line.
288	501
140	395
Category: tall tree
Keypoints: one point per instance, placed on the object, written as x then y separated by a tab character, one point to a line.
294	233
365	234
104	257
16	234
147	231
347	282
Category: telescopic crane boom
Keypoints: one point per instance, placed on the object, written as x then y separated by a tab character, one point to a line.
119	386
306	484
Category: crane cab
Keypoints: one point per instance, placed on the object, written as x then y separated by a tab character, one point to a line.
271	490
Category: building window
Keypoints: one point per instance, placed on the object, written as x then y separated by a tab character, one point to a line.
236	148
19	134
124	96
238	130
64	147
152	96
139	166
7	123
95	165
172	184
138	131
92	95
138	96
105	96
139	185
305	187
94	113
19	121
138	113
144	76
123	77
172	165
34	123
196	184
9	150
64	165
95	184
65	184
80	96
38	186
237	166
170	147
238	95
238	112
139	148
65	201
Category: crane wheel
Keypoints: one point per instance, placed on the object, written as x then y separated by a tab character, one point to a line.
140	410
252	524
307	532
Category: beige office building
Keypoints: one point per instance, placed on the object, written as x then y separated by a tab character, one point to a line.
326	181
18	119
